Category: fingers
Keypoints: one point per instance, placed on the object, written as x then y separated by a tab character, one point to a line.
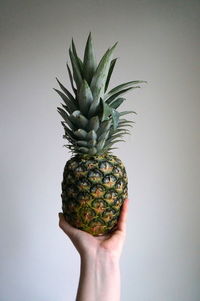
121	225
65	226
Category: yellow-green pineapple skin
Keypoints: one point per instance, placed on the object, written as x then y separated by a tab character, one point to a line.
93	191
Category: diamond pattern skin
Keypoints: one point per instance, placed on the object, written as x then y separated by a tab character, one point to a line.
93	191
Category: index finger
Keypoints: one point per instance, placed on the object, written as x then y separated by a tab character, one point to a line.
121	225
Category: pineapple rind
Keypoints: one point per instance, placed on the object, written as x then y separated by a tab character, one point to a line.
93	191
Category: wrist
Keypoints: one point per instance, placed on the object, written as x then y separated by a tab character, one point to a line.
102	270
102	256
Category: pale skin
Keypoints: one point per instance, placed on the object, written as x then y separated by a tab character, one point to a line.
100	272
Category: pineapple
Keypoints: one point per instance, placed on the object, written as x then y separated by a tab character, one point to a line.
94	184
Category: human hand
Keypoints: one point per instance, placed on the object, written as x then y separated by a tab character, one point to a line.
88	245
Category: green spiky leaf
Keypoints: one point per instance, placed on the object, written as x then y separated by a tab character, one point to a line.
92	142
85	97
80	133
122	120
117	102
113	137
80	65
71	79
115	118
84	150
69	95
82	143
65	116
109	144
89	62
76	69
122	87
119	130
106	110
114	96
126	112
99	79
92	151
78	60
104	135
66	108
104	127
68	132
100	144
66	100
93	123
112	65
91	135
79	120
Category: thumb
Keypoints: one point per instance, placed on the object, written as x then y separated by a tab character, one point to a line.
65	226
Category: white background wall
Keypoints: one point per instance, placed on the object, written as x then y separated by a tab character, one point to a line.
158	42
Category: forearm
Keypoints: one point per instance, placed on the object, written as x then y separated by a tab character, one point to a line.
99	278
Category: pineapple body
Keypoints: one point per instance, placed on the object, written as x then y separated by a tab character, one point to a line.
93	191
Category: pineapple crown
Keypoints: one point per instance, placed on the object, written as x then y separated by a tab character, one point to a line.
92	123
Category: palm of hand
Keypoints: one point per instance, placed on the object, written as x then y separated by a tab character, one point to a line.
87	244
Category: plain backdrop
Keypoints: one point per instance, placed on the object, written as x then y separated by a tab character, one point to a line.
158	42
